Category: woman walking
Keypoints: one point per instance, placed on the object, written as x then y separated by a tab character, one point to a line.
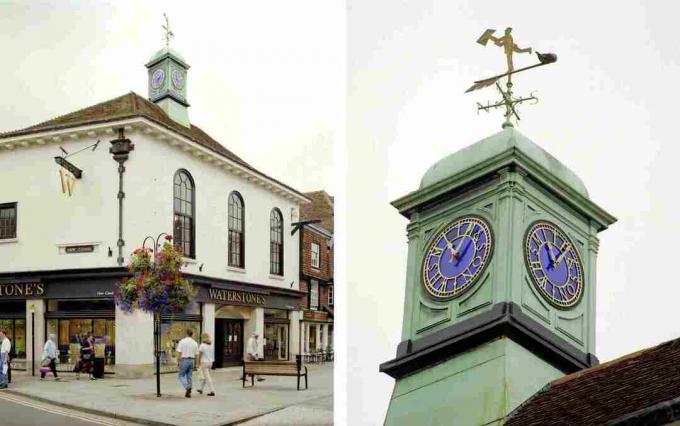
206	357
49	357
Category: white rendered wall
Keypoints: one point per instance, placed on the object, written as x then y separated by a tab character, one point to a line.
134	344
47	218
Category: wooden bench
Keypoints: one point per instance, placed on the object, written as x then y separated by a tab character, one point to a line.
274	368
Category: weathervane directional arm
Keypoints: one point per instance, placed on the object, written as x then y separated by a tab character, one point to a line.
168	33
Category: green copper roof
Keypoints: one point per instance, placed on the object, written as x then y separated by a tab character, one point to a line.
496	145
166	51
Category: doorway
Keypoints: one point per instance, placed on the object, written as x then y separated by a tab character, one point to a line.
276	342
229	342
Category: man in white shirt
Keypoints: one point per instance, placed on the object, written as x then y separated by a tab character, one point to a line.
5	347
49	355
252	352
186	349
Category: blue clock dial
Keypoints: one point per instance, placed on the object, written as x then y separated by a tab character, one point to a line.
177	79
457	256
157	78
554	264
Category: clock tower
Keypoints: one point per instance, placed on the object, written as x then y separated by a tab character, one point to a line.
168	84
500	285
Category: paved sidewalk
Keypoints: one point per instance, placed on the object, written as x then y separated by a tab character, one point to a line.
275	401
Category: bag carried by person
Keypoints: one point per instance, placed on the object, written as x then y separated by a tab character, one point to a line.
44	370
45	362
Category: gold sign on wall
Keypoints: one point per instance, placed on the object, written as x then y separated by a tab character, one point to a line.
68	181
242	297
22	289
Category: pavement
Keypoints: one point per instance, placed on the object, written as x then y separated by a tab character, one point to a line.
20	411
275	401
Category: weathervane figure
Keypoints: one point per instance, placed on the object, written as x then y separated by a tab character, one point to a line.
510	48
168	33
508	44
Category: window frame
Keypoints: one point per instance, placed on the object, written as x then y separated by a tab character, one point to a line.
15	206
330	295
175	213
318	255
242	233
276	215
313	295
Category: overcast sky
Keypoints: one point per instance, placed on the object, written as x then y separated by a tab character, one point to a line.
264	79
608	110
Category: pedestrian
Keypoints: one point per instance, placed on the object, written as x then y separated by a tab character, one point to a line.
49	357
252	352
87	355
5	347
206	357
186	354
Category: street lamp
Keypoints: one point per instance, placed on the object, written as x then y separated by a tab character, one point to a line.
31	307
156	316
120	148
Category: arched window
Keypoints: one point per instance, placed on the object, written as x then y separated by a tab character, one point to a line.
236	231
184	226
276	242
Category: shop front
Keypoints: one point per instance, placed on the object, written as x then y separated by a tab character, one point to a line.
71	304
238	310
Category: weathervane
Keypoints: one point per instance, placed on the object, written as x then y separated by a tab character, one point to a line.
509	48
168	33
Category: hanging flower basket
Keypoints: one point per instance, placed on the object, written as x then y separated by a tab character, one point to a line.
157	285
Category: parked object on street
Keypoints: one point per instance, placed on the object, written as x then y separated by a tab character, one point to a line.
187	349
49	358
273	368
206	357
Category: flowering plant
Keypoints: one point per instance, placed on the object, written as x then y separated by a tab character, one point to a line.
157	286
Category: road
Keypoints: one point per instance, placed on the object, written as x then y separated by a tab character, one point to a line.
19	411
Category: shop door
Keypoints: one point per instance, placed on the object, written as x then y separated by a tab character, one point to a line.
230	335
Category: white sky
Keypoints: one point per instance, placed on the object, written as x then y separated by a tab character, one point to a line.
607	110
265	79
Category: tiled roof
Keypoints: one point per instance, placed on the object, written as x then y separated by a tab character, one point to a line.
320	208
607	392
128	106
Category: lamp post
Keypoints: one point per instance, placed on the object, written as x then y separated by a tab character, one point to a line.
120	148
156	316
32	309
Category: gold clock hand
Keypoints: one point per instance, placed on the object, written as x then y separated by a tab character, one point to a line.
449	245
561	256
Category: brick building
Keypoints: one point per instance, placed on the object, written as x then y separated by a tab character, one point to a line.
316	272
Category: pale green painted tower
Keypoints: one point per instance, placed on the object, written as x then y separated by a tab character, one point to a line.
168	84
477	345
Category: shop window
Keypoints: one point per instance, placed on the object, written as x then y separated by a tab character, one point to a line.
183	222
16	332
276	342
315	255
314	295
8	221
71	333
330	295
276	242
171	333
236	231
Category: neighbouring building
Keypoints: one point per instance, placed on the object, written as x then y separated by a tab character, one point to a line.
59	257
316	272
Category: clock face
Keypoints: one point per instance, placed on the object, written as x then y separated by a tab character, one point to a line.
457	256
177	79
157	78
554	264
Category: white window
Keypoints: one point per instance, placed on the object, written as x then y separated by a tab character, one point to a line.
314	295
330	295
315	255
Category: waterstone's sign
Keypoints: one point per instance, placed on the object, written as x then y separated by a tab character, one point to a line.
22	289
236	296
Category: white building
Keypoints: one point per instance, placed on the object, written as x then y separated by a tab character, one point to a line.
59	257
